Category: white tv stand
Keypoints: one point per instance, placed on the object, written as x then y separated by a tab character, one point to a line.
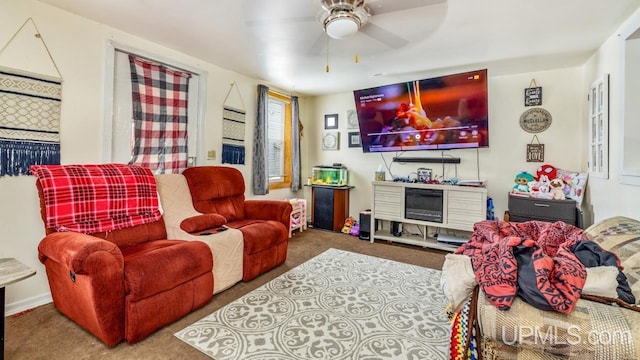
462	206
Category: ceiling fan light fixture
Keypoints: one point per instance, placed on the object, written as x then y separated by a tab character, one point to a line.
343	18
341	25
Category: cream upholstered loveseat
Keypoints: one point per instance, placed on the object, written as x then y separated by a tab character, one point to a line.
601	329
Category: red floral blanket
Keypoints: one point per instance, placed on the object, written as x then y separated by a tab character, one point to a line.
97	198
553	273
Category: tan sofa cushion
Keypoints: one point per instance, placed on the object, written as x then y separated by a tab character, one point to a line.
227	247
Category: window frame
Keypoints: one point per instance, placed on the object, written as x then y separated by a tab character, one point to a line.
108	111
285	181
599	128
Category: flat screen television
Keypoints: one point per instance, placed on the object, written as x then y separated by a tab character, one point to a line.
445	112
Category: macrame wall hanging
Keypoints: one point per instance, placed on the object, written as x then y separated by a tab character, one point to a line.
29	116
233	124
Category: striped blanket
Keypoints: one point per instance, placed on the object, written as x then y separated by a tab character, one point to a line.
97	198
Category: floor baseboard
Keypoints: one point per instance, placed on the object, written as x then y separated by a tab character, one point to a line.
27	304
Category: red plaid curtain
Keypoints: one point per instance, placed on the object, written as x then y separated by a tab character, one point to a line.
159	115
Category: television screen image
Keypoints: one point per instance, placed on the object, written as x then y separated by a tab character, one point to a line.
446	112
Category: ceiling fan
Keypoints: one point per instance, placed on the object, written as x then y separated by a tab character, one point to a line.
340	19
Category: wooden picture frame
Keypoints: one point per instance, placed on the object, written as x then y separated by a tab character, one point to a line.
330	121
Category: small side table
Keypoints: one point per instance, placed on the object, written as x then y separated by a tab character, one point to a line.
11	271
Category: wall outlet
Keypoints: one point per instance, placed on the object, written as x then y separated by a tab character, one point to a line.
211	155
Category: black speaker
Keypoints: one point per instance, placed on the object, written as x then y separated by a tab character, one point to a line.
365	225
396	228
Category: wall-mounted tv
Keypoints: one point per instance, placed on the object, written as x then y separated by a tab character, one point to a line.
445	112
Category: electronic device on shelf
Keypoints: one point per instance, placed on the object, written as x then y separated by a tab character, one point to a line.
477	182
445	112
450	239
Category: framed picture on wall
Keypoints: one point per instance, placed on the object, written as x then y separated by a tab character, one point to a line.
352	119
354	139
330	140
330	121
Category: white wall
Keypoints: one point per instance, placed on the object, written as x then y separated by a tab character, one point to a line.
563	97
78	48
608	197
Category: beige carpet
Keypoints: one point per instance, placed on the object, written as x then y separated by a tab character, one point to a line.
44	333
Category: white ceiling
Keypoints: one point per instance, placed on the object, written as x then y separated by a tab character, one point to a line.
281	43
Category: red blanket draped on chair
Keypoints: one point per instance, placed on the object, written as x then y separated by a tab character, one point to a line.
97	198
557	274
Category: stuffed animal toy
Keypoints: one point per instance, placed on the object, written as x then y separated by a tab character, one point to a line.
557	189
543	188
547	170
522	181
347	224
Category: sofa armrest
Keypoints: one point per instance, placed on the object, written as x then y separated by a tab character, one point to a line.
76	250
277	210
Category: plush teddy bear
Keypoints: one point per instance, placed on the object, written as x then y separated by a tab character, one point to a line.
557	189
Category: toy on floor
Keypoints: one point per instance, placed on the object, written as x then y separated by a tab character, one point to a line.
355	229
347	224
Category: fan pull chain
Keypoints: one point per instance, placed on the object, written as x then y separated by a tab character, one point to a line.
357	59
326	69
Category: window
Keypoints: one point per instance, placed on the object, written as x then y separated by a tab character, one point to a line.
118	129
279	141
599	128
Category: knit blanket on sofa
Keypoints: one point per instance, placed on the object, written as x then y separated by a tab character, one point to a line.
97	198
531	259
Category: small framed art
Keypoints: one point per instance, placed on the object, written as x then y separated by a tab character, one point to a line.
330	121
354	139
330	140
352	119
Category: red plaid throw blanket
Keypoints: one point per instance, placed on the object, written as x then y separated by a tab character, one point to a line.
97	198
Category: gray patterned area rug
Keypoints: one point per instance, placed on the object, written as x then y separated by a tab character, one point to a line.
338	305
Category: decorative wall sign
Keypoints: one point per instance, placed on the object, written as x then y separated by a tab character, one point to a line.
331	121
330	140
354	139
535	152
352	119
535	120
533	94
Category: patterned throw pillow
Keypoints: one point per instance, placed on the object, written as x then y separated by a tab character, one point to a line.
575	184
621	236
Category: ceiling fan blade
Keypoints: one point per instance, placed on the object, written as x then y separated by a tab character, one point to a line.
384	36
319	45
288	20
379	7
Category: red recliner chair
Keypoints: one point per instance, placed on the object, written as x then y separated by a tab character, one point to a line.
126	283
264	223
